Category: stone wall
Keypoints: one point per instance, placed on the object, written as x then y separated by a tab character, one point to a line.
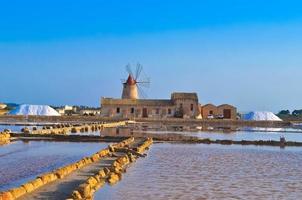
188	106
128	111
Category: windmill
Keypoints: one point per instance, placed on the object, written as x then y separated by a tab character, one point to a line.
133	87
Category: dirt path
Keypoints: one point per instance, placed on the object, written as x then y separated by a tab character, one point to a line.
62	189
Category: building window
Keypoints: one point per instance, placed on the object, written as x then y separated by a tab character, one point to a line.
132	110
181	105
157	111
192	107
118	110
169	111
211	112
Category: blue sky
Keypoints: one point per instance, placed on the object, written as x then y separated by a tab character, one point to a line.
242	52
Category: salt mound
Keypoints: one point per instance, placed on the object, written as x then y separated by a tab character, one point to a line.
41	110
261	116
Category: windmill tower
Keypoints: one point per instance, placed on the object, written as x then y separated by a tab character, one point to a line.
132	87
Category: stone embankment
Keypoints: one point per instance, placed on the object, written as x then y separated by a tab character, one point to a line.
112	174
5	137
216	122
89	186
64	129
280	143
13	119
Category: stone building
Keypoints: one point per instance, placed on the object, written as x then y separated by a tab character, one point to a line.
182	105
224	111
208	111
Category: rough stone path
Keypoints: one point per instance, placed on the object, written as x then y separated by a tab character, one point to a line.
62	189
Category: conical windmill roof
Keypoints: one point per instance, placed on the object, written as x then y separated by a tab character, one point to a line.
130	80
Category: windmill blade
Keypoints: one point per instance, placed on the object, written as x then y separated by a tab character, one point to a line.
143	78
129	70
139	69
144	84
142	93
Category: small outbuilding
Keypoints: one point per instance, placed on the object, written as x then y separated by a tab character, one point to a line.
227	111
208	111
224	111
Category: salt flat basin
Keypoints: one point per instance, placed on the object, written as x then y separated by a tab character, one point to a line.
249	135
242	135
23	161
199	171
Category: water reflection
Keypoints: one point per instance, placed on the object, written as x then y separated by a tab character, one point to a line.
129	132
166	132
182	171
187	132
17	128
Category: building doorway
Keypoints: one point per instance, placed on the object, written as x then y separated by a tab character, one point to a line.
145	113
227	113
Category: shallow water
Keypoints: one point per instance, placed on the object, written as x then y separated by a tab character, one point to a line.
13	128
23	161
89	133
17	128
249	135
186	171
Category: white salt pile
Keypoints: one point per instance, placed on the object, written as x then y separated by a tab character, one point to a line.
261	116
41	110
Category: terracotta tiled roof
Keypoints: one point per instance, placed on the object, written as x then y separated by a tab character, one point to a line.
130	80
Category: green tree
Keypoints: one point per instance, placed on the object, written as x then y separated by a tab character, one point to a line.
297	112
284	112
